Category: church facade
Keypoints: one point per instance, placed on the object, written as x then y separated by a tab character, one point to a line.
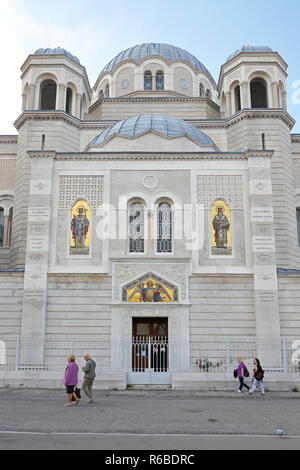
152	220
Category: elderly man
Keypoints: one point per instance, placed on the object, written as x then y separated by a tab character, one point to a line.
89	377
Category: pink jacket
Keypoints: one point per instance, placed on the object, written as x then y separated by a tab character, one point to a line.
71	374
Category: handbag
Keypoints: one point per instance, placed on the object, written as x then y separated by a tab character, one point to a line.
235	373
77	393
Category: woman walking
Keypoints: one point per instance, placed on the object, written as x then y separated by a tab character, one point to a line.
71	379
258	375
241	369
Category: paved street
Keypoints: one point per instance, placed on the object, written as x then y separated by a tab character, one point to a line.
37	419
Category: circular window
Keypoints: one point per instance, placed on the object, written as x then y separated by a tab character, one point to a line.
125	83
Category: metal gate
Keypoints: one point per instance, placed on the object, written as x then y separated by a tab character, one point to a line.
150	361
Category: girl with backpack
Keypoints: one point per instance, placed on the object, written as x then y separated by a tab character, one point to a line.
258	375
242	372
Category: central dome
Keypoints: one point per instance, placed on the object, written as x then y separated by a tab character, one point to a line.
168	52
166	125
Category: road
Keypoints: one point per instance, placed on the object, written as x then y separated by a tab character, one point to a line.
152	420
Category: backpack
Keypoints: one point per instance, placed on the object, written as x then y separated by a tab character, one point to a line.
246	372
259	375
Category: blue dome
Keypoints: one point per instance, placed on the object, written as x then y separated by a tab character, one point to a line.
256	49
170	53
167	125
57	50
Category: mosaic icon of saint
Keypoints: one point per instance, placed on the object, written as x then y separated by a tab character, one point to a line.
221	226
152	292
80	227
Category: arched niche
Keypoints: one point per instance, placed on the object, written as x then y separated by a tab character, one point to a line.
221	233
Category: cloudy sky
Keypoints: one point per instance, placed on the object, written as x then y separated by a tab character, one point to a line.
97	30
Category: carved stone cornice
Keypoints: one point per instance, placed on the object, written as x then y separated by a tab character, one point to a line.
8	139
149	99
246	114
41	154
56	115
169	156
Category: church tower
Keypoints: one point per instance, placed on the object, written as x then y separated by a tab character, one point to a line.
252	93
55	99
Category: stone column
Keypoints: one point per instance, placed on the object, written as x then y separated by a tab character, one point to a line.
228	104
31	100
6	231
36	263
264	259
284	104
61	102
244	95
78	106
275	95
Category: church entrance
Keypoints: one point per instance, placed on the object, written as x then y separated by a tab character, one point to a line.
150	352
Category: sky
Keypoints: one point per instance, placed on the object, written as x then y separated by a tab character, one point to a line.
96	30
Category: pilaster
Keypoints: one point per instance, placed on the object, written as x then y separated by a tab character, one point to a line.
37	248
264	261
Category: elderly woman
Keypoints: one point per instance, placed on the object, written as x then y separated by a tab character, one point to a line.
71	380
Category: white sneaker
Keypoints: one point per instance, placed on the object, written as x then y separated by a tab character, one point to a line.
239	391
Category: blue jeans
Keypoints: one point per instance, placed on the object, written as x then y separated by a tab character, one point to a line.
242	384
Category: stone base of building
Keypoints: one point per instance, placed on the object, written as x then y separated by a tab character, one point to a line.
55	380
186	381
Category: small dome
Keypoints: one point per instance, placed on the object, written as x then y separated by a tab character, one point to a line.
167	125
256	49
168	52
57	51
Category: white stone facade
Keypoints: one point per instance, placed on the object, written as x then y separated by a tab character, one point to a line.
252	166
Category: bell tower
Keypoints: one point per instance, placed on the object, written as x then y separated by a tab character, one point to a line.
252	92
55	100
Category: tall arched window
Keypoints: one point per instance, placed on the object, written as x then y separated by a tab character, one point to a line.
148	80
106	91
258	90
298	224
1	226
48	95
164	228
159	80
69	98
237	95
136	228
208	93
201	90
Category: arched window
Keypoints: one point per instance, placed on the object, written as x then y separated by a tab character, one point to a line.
69	98
136	228
160	80
106	91
208	94
148	80
201	90
164	228
48	95
1	226
258	90
298	224
237	95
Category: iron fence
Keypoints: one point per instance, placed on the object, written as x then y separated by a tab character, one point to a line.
212	355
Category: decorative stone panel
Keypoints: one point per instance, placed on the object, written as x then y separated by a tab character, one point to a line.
228	187
7	174
72	188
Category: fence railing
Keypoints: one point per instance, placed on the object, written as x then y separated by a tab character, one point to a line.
216	355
